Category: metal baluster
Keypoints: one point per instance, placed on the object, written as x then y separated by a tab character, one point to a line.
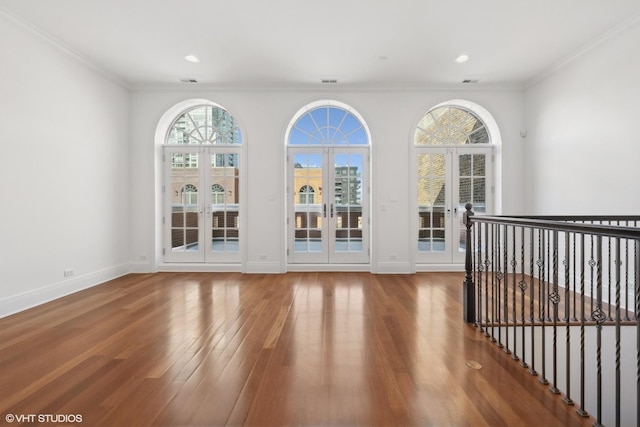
514	275
567	279
494	293
626	274
540	273
504	281
592	263
487	263
554	298
505	286
636	254
498	288
581	410
532	369
547	282
574	318
543	314
523	288
618	318
609	282
479	281
599	316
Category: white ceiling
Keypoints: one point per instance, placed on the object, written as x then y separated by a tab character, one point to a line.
300	42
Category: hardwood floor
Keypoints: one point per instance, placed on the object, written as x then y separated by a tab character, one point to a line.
298	349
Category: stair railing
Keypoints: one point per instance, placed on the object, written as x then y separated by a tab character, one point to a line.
556	291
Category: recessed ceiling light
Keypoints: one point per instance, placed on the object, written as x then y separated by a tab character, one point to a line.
192	58
462	58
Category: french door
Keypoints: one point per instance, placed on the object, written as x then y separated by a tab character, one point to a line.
201	204
328	213
447	179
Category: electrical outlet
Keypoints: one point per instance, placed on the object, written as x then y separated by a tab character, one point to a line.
68	273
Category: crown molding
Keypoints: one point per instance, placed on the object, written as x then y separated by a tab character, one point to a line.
63	48
606	36
317	87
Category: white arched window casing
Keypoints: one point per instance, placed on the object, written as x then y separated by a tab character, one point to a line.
328	185
202	150
453	166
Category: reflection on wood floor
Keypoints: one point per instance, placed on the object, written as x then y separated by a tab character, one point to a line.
299	349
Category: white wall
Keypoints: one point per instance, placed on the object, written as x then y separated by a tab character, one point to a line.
264	115
80	183
64	177
583	144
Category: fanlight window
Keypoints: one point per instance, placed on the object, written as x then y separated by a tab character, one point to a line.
449	125
189	195
307	195
217	194
328	125
205	125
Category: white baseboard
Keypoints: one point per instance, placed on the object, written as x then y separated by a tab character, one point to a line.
141	267
199	267
264	268
328	267
394	268
20	302
439	267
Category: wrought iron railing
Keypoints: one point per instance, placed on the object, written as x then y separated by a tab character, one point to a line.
561	294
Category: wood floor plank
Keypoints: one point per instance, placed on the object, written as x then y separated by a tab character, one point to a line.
296	349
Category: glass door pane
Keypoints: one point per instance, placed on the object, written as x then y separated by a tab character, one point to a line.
222	206
309	208
432	202
346	209
472	188
185	207
448	179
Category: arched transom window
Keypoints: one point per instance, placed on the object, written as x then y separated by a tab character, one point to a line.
328	125
307	194
217	194
189	195
205	125
451	125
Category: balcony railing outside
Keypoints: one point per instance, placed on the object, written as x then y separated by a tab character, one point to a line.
544	288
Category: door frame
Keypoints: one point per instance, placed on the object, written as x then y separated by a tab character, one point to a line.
204	254
327	210
450	258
